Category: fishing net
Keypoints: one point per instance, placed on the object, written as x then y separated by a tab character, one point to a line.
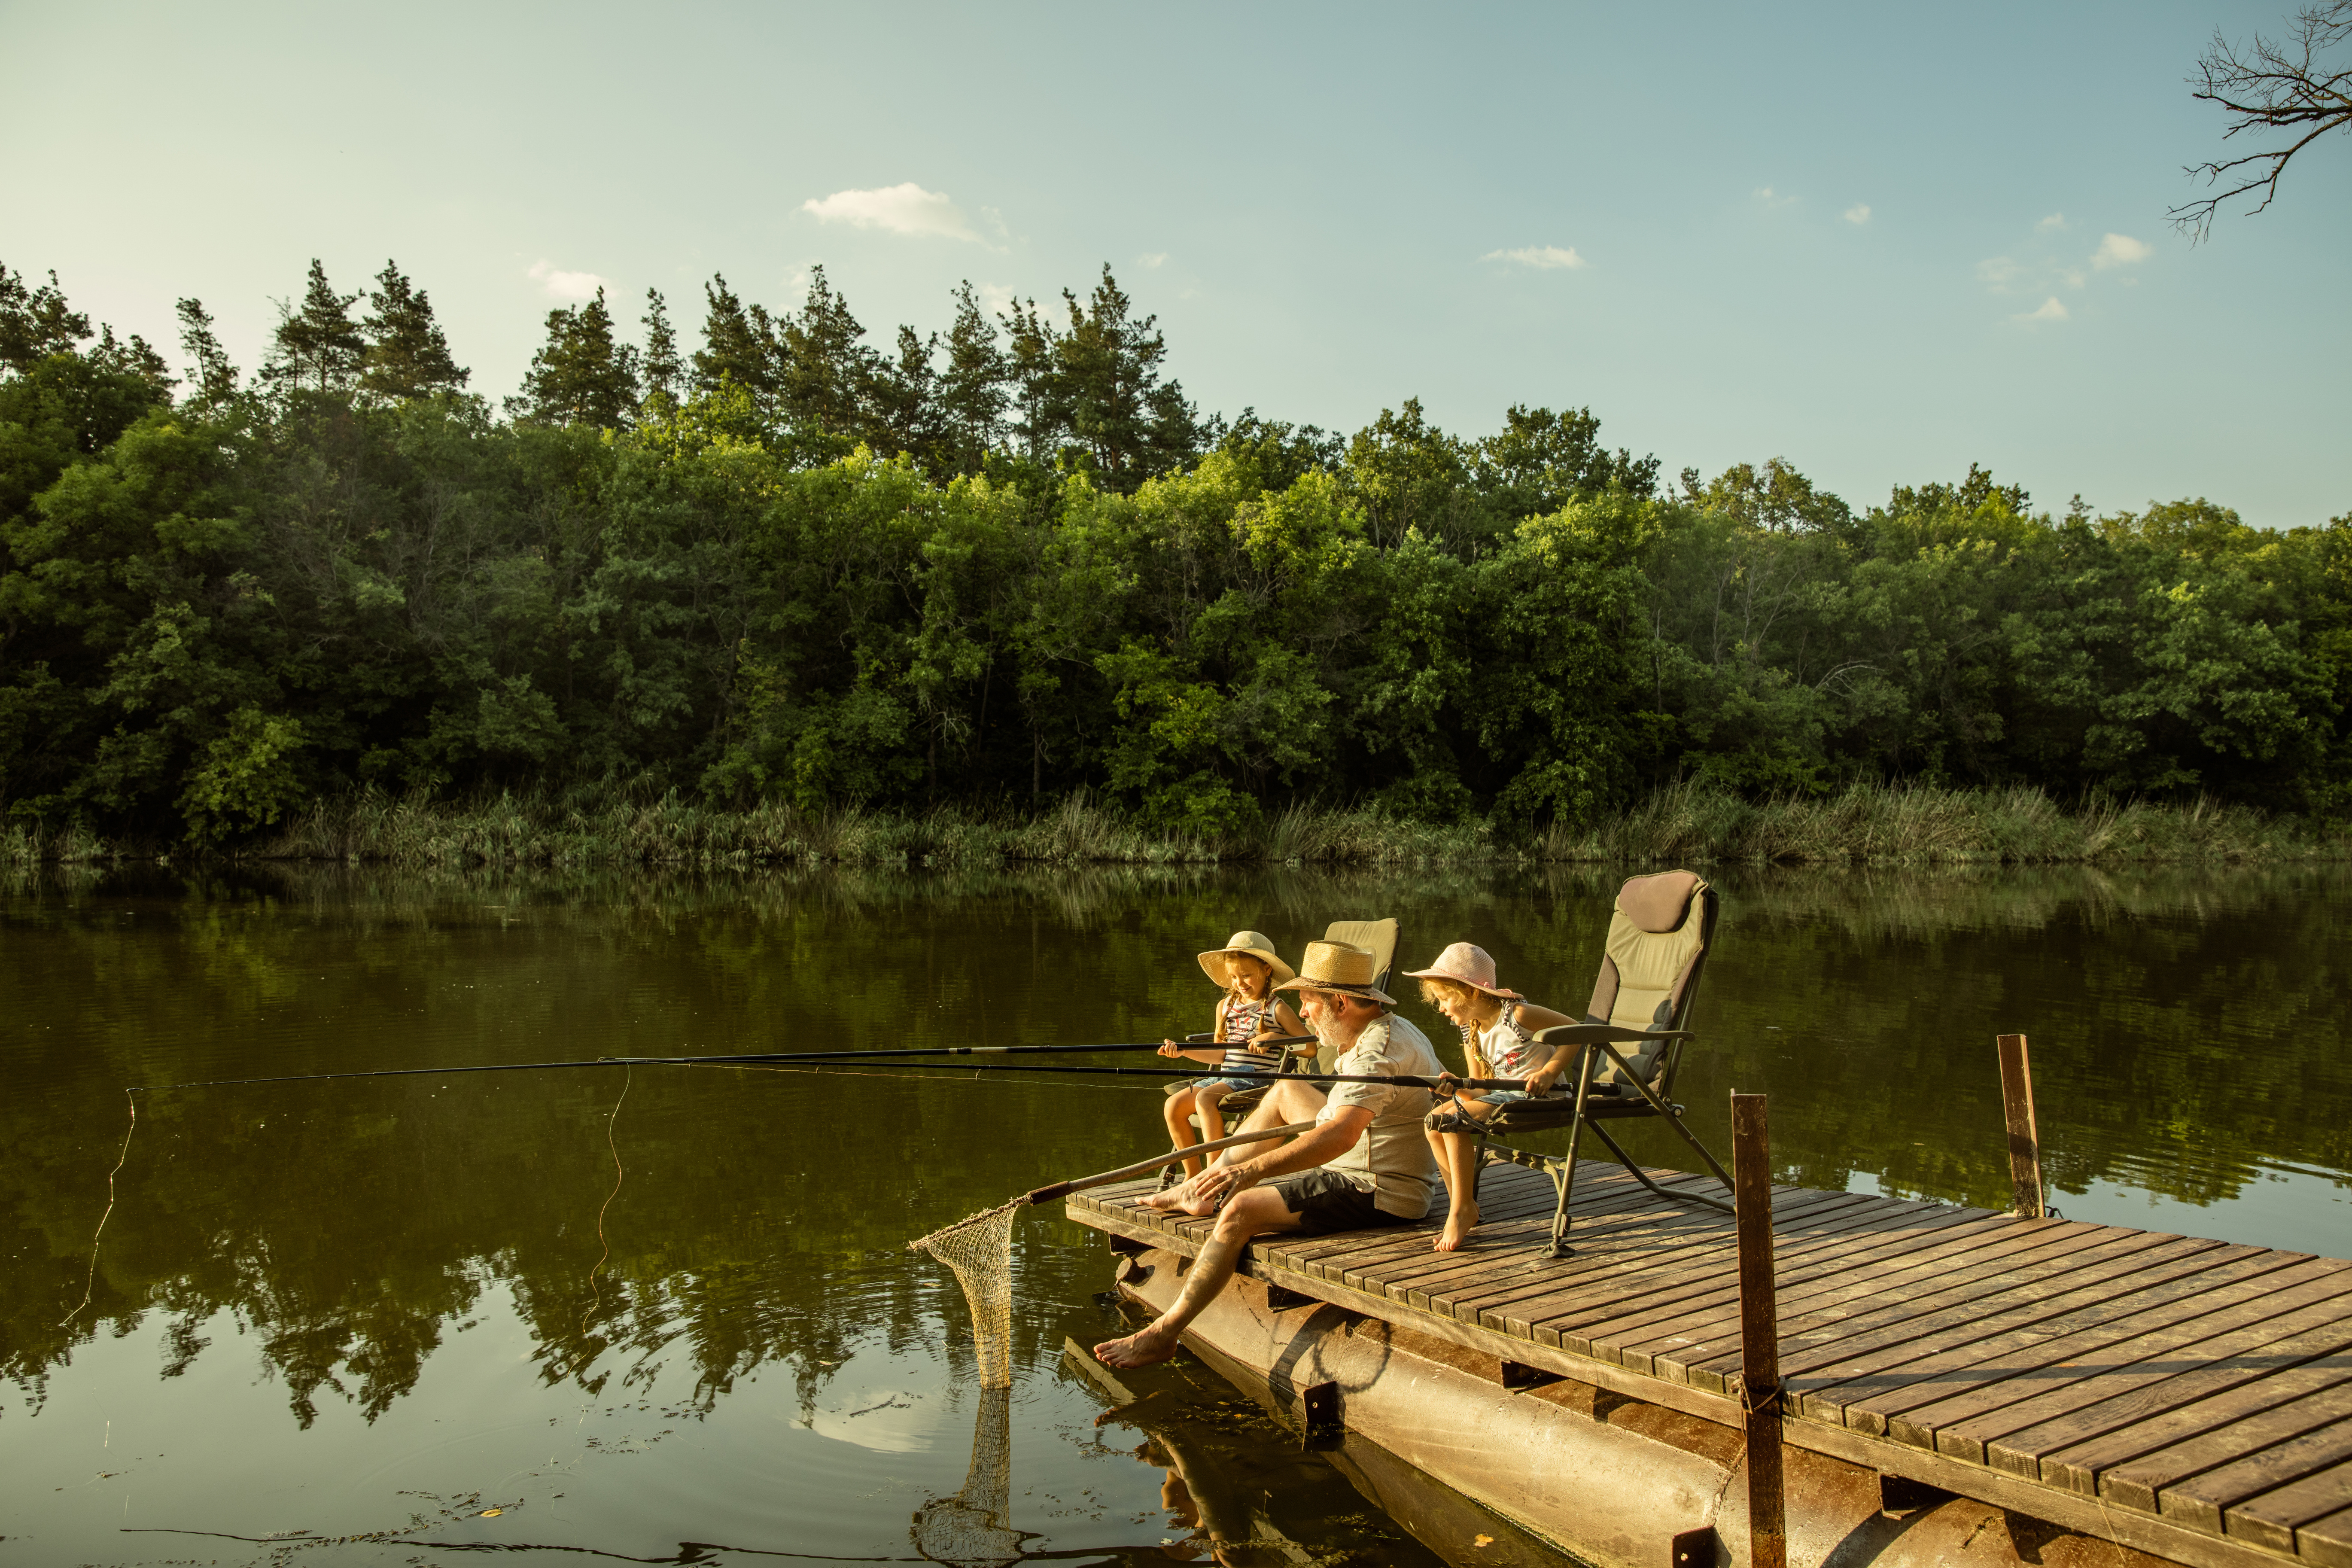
980	1250
969	1528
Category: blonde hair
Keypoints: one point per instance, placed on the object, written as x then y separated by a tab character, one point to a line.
1261	969
1435	989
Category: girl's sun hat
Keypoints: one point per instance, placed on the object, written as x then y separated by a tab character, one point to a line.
1216	965
1465	965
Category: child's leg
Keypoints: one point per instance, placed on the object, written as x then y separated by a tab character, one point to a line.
1458	1156
1177	1109
1205	1100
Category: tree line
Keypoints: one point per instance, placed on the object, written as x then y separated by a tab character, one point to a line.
993	565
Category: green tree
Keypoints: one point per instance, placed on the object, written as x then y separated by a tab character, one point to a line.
579	376
213	376
407	355
317	346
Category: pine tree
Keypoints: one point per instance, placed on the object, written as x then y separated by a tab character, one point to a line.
904	415
828	372
738	345
407	356
210	372
36	323
318	344
1132	425
665	373
972	390
581	376
1041	413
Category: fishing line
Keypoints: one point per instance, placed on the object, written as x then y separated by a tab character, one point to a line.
89	1282
618	1175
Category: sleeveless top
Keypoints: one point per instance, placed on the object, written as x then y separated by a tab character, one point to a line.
1242	1020
1508	1047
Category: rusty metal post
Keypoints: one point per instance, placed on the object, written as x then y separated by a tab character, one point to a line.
2024	1145
1760	1331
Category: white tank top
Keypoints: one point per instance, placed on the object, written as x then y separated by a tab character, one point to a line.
1508	1047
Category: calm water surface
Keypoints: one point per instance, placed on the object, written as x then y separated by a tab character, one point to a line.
379	1309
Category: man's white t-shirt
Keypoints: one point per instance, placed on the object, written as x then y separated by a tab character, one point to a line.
1392	1158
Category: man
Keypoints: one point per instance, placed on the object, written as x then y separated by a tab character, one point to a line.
1366	1163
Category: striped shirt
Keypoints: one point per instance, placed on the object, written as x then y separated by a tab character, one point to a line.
1241	1021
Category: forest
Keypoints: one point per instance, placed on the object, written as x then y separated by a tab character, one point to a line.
999	566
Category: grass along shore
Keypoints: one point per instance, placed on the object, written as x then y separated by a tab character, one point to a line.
1685	824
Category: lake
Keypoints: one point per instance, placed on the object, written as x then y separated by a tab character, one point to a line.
667	1315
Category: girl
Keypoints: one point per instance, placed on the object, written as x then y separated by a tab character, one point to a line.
1498	1031
1249	969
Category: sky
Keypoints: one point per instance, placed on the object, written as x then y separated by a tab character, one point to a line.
1881	242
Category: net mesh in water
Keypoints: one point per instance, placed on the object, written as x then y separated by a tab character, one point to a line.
980	1250
969	1528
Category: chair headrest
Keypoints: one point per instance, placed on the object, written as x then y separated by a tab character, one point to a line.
1658	903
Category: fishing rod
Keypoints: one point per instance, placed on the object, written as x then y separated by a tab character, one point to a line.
759	1057
1559	1035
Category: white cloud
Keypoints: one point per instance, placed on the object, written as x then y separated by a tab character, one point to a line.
1156	260
1996	271
2120	251
562	285
2050	311
1765	193
2055	220
898	209
1543	258
1857	214
996	298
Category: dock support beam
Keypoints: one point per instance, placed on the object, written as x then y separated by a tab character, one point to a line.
2024	1145
1760	1331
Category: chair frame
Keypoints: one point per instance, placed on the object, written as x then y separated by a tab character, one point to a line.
1656	1099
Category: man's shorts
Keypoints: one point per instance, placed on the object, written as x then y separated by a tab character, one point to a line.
1326	1200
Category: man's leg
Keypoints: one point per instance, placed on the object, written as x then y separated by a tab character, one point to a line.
1286	1103
1251	1212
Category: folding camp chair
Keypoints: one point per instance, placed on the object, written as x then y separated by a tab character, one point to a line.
1658	940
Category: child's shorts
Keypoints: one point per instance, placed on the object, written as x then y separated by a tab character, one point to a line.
1230	1085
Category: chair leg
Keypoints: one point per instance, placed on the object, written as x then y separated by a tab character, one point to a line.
1565	1184
1666	1110
1642	1176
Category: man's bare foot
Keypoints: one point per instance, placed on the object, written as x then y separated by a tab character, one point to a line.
1459	1222
1166	1200
1148	1346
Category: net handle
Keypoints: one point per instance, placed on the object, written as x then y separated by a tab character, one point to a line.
1141	1167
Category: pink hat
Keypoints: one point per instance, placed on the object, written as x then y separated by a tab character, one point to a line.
1465	965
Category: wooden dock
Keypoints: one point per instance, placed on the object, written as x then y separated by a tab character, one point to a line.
2187	1398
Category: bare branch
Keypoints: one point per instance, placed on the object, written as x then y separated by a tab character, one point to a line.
2271	85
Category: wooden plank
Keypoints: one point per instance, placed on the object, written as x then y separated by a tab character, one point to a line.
1991	1378
2211	1502
2123	1448
1807	1270
2327	1542
2275	1518
1840	1376
1400	1253
2289	1300
1668	1345
2141	1482
1933	1295
1683	1255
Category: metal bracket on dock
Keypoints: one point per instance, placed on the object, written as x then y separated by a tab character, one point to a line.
1318	1408
1700	1548
1518	1376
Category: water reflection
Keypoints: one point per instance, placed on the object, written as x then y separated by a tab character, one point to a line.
359	1241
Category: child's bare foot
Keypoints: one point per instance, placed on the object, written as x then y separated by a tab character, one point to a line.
1147	1346
1460	1220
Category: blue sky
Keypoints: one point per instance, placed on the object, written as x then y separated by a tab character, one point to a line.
1832	234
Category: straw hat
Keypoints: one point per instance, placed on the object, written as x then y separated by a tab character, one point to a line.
1212	962
1465	965
1339	966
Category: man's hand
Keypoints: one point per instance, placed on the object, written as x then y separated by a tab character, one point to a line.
1221	1182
